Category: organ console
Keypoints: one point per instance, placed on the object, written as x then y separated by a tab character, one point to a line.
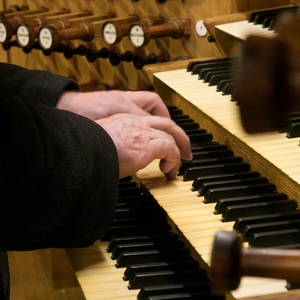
236	181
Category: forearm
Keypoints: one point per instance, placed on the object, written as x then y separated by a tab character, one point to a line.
34	85
59	177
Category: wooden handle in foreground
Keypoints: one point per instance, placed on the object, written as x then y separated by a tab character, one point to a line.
230	262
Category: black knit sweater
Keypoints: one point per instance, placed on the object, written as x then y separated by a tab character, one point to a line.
58	171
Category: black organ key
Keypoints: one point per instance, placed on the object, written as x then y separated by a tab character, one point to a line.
189	296
140	239
187	287
193	288
195	131
134	247
226	86
174	111
198	139
207	162
252	229
180	121
227	183
210	147
166	277
275	238
150	256
205	73
242	222
212	154
186	263
192	64
214	79
233	212
293	130
193	172
216	194
222	204
272	24
229	89
268	22
277	11
223	74
188	125
199	182
181	118
260	18
198	68
291	119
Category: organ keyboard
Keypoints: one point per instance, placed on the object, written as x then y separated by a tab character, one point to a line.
191	219
259	23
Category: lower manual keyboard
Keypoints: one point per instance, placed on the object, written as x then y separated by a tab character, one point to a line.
148	264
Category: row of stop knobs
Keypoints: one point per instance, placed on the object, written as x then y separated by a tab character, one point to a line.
50	28
138	60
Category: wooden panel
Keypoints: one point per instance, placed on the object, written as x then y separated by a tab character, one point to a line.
43	274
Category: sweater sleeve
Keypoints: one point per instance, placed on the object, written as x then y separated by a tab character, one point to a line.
33	85
58	177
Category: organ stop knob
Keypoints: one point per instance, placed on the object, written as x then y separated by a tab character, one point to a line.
230	261
28	33
49	37
8	26
140	35
113	32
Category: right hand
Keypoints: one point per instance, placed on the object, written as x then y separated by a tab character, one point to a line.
141	139
103	104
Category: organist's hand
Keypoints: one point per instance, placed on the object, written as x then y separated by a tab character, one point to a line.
102	104
141	139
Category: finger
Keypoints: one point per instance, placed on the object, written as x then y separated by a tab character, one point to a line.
180	137
164	148
171	174
151	102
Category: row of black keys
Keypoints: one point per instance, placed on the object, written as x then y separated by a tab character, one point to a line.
221	73
240	194
156	261
269	18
